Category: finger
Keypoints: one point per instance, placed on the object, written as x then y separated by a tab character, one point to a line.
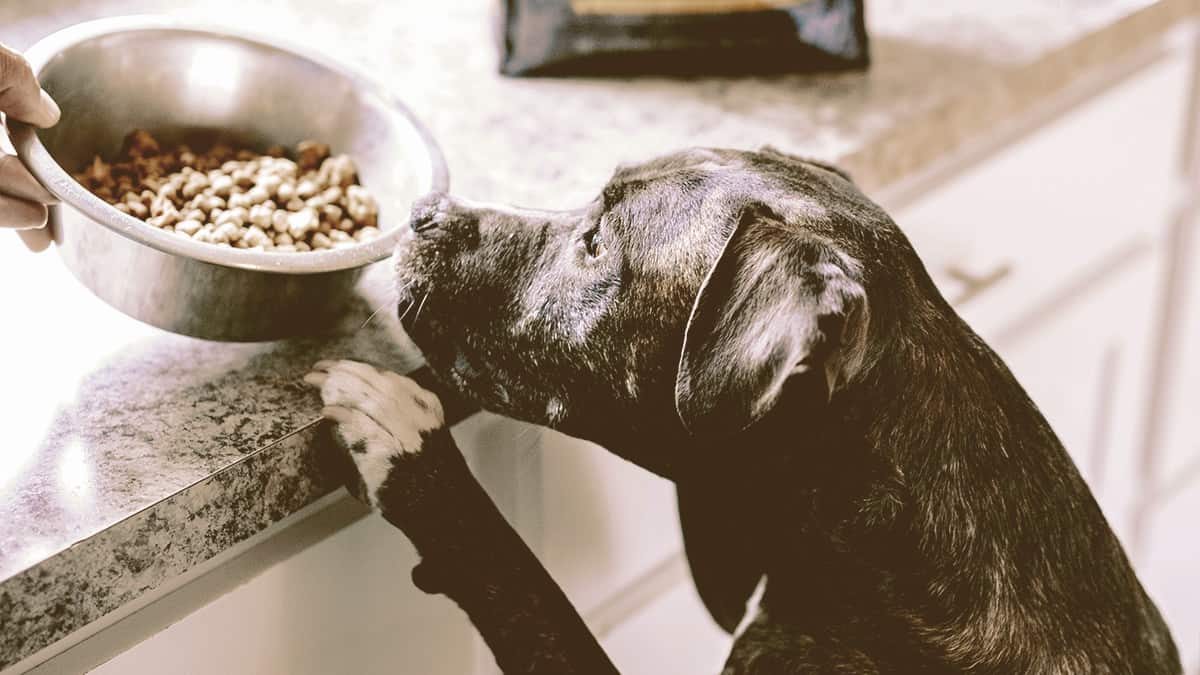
20	214
316	379
16	181
20	96
36	240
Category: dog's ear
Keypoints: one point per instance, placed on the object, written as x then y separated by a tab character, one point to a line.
778	304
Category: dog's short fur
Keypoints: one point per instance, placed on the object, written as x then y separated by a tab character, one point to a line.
750	326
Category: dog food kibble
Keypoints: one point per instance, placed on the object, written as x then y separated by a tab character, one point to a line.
236	197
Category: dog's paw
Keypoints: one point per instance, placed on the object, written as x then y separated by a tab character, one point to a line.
379	416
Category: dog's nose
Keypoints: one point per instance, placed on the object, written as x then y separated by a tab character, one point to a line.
427	212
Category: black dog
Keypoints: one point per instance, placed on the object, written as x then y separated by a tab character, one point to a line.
845	448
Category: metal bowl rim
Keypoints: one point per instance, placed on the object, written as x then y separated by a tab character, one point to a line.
60	182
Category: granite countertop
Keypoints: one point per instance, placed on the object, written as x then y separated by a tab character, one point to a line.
131	455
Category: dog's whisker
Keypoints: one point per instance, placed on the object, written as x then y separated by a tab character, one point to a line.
411	304
377	310
394	299
419	307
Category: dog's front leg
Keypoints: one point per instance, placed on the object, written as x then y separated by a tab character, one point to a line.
412	471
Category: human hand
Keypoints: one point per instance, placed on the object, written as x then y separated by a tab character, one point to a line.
23	200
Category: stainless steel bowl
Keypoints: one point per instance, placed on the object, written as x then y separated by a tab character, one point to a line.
114	75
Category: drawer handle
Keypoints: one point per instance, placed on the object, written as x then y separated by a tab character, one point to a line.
974	285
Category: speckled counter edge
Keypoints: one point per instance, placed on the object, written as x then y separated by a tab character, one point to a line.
113	568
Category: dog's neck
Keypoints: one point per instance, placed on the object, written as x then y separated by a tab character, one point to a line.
940	390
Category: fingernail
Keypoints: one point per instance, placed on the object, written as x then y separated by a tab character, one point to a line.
52	112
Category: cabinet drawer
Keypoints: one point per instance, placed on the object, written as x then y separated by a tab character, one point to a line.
1036	222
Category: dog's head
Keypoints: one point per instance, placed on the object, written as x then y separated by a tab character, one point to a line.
689	292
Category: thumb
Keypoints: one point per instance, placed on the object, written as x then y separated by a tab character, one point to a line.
43	113
20	96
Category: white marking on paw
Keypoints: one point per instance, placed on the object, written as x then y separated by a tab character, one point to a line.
379	415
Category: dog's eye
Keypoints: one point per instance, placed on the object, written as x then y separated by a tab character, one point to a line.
592	242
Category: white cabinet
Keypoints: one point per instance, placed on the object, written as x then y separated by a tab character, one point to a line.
1050	217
